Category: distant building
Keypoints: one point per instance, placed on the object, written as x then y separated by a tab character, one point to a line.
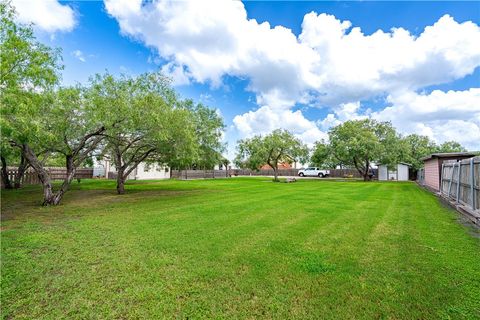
281	165
433	166
144	171
399	173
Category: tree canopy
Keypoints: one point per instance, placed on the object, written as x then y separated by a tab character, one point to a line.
280	146
415	147
358	143
322	156
28	72
130	119
149	123
208	126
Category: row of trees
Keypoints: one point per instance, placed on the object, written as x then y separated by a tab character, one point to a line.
359	143
142	119
130	119
354	144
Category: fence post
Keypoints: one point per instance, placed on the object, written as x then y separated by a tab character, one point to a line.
472	182
442	176
458	180
451	179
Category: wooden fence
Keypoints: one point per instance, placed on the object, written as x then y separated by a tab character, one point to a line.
210	174
199	174
421	176
460	184
56	173
264	172
335	173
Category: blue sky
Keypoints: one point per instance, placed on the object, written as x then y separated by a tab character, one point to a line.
425	82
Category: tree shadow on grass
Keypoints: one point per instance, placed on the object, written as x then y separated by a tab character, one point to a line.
24	203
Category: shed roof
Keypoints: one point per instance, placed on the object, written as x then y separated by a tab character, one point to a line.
449	155
404	163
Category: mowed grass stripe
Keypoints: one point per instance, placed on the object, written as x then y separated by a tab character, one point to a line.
237	248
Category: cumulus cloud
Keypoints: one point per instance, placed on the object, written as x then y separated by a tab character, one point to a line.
265	119
451	115
46	15
357	66
331	63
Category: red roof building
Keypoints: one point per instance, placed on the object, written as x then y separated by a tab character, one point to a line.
280	166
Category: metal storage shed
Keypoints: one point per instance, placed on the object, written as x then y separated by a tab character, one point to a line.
400	173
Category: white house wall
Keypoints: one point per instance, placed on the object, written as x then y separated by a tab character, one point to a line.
142	172
152	171
402	171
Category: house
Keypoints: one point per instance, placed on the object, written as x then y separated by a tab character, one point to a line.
104	168
399	173
281	165
433	167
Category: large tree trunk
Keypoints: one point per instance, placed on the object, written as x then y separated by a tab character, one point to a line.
71	169
125	168
120	184
275	174
49	197
43	176
367	176
120	181
5	178
362	170
20	172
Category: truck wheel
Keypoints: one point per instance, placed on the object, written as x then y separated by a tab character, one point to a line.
301	174
320	175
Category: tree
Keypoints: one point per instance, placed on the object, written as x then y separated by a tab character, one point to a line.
272	149
225	162
208	126
451	146
415	148
323	156
150	124
12	155
7	153
71	128
360	142
27	70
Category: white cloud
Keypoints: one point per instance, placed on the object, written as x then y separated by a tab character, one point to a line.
331	63
79	55
442	116
47	15
451	115
343	112
265	119
356	66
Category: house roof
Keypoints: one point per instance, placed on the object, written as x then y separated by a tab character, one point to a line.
404	163
449	155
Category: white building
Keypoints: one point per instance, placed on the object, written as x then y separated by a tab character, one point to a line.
144	171
400	173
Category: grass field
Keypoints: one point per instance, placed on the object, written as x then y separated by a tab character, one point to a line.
237	248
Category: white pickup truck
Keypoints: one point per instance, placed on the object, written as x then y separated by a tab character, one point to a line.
313	172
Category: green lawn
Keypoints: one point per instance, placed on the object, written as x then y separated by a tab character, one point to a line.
237	248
